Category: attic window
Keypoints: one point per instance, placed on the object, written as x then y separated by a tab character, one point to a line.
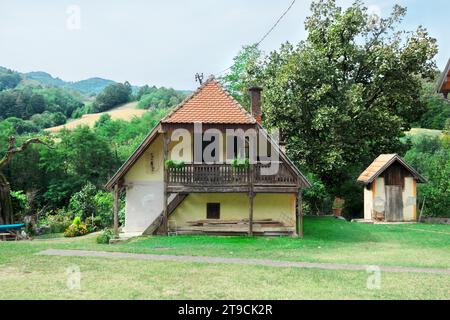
213	211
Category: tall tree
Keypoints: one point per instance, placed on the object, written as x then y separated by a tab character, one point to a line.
349	91
243	73
6	212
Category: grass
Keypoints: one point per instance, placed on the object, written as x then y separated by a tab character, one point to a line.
25	275
420	132
124	112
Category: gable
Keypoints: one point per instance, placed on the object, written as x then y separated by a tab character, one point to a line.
210	104
390	165
444	81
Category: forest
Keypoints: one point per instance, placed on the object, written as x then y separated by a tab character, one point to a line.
324	94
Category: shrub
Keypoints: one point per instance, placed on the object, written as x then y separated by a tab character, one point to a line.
431	157
177	164
240	163
76	221
76	230
105	236
82	202
58	222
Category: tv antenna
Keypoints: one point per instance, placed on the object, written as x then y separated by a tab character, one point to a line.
199	78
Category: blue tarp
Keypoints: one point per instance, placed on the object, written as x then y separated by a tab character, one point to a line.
6	227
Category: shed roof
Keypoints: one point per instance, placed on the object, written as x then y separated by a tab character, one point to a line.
380	164
210	103
444	80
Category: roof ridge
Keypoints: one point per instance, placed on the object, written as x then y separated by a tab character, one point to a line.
241	108
211	80
188	98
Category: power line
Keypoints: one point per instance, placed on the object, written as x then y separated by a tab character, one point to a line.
276	23
268	32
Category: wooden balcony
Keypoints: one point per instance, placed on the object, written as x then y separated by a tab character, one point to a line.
224	178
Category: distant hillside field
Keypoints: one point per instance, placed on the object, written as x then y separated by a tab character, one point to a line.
125	112
89	86
424	132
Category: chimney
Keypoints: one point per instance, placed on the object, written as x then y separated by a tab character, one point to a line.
255	103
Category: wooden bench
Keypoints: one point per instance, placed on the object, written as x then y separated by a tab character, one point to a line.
8	236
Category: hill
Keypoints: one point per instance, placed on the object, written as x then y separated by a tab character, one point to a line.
91	86
125	112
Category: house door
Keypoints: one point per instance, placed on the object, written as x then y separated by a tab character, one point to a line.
394	204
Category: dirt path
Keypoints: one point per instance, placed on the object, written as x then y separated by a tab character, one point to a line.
258	262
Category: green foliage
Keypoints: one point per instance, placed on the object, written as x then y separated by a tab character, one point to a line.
76	221
105	236
438	109
345	94
92	206
153	97
240	163
8	79
431	157
112	96
19	203
242	74
57	222
81	156
176	164
82	202
91	86
76	230
316	199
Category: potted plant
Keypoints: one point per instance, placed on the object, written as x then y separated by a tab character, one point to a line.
176	164
240	163
338	206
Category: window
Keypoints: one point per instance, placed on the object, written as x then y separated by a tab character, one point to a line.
213	211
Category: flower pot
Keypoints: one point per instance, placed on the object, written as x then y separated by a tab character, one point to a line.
337	212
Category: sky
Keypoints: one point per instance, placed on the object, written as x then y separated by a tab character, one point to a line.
165	43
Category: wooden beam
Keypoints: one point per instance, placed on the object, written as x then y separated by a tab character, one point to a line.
250	199
250	214
165	220
116	209
299	214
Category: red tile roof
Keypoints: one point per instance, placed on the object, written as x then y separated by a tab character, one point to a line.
380	164
210	104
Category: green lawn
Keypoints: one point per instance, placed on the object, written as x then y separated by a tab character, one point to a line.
26	275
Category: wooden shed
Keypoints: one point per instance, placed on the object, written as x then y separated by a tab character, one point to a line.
444	81
390	193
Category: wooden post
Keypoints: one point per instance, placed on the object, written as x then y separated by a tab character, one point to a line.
250	201
165	220
116	208
299	214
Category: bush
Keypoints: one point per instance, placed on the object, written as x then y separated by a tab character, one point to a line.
57	223
431	157
105	236
76	229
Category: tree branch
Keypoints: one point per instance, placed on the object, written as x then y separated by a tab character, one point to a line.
12	150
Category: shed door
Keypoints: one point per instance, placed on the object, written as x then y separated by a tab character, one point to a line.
394	204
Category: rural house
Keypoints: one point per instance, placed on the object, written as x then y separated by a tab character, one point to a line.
390	193
444	81
209	167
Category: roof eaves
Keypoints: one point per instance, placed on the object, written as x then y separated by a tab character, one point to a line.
443	77
133	157
304	180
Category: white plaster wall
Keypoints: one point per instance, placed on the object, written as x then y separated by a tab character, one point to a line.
143	204
409	199
368	204
379	200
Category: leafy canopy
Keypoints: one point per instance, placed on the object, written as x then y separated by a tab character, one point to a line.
349	91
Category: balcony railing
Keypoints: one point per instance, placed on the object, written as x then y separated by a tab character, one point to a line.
226	175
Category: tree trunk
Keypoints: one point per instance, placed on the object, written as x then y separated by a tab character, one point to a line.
6	212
